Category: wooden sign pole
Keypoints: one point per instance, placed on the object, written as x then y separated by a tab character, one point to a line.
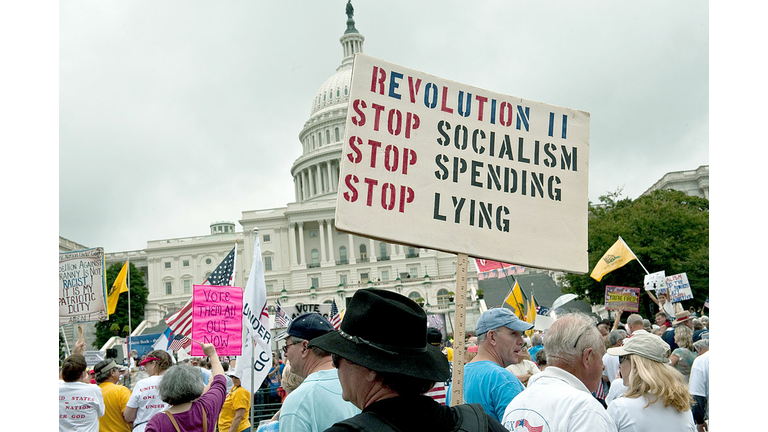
459	331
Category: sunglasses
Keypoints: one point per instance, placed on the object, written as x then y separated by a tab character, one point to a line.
286	346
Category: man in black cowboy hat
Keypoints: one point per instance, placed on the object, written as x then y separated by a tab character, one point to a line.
386	365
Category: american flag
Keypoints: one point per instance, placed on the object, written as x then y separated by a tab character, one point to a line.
280	319
178	342
541	310
335	316
181	322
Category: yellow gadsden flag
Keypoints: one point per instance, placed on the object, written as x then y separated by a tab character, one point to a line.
120	286
516	299
618	255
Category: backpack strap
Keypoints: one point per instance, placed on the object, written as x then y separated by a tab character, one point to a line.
173	421
176	425
369	422
472	418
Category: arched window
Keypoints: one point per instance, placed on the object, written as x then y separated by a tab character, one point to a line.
343	255
383	250
328	135
315	256
442	297
413	295
363	253
338	136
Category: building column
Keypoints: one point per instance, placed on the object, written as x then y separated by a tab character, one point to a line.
372	252
331	249
305	184
301	243
332	185
351	253
292	242
312	183
321	233
296	189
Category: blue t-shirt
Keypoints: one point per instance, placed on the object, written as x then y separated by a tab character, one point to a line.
491	386
316	404
532	352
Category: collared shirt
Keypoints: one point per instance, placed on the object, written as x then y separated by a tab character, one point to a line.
557	401
316	404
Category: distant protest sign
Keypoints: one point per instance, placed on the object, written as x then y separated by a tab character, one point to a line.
143	344
622	298
678	287
82	286
655	282
444	165
217	318
292	312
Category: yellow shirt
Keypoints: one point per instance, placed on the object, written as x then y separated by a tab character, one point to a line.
115	398
448	353
237	398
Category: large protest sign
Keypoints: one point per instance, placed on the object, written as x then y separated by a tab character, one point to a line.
678	287
622	298
143	344
82	286
443	165
217	318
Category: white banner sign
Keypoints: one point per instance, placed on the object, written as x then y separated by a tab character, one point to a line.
655	281
293	311
447	166
82	286
678	287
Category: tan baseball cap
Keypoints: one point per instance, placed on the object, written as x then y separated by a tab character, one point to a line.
646	345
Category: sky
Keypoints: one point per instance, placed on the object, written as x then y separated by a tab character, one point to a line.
174	115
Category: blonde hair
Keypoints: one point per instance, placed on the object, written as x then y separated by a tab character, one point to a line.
290	379
657	381
684	337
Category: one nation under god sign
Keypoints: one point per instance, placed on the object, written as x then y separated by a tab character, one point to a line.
443	165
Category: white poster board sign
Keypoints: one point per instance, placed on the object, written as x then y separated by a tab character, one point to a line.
82	286
678	287
443	165
293	311
655	281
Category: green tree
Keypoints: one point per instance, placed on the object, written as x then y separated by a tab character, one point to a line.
119	320
667	230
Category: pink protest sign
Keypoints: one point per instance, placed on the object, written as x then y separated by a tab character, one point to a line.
217	318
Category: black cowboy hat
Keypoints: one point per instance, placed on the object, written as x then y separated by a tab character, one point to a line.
386	332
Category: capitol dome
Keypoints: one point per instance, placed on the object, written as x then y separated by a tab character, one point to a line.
316	171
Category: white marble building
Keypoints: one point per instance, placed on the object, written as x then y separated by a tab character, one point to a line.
692	182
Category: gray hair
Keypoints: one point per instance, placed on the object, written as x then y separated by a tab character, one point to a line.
702	343
615	336
181	383
635	319
569	336
537	339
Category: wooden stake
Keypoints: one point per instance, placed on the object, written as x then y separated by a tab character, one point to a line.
459	330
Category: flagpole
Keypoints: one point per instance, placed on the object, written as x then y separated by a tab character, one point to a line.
633	254
128	285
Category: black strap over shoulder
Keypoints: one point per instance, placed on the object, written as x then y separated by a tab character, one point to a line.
471	418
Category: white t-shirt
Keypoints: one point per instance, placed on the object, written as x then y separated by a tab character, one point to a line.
617	389
631	415
699	381
146	398
80	406
611	363
558	402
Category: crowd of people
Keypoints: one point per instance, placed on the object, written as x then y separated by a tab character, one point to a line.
385	370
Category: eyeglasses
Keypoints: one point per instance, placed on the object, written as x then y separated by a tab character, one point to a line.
286	346
622	358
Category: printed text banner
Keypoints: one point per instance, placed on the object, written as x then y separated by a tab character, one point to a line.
217	318
82	286
447	166
622	298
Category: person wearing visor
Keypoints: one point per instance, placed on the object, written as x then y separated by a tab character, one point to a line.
656	394
107	374
145	398
386	366
317	403
234	412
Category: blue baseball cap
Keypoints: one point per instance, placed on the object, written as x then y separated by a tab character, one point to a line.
498	317
308	325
